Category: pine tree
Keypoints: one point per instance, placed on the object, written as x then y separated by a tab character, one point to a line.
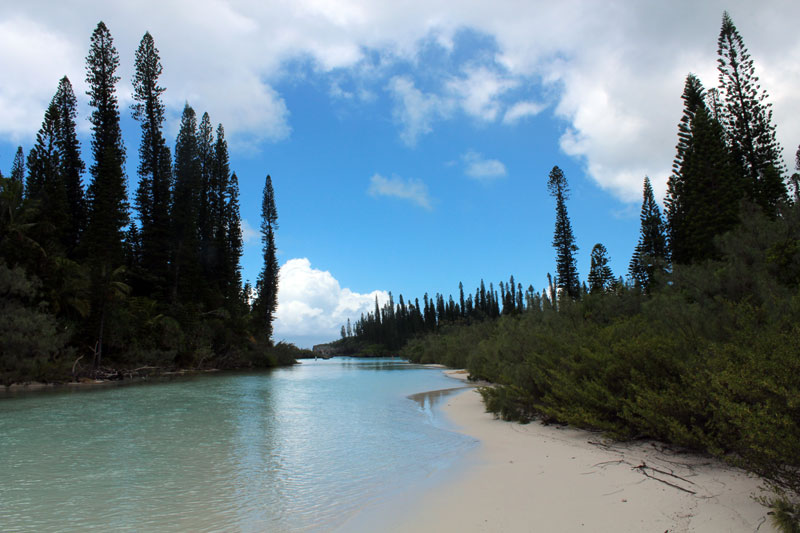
153	193
18	166
461	300
706	187
650	255
205	154
45	184
108	197
563	238
747	119
233	243
184	212
218	201
72	166
43	160
267	286
600	278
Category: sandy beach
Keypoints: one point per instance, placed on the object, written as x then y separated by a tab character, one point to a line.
527	478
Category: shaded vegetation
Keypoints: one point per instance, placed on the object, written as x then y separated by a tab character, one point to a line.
90	289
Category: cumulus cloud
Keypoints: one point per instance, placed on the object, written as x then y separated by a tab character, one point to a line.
480	168
411	189
414	110
613	74
34	58
312	306
521	110
479	90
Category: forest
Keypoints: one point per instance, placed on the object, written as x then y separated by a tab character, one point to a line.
698	346
90	288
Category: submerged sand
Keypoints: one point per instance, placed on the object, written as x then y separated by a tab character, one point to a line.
552	479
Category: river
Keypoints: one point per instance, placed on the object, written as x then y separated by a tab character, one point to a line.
302	448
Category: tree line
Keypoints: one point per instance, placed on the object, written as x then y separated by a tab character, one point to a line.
698	346
89	288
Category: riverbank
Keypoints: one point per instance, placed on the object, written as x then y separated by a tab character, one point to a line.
548	478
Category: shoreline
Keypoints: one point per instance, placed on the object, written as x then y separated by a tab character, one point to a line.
552	478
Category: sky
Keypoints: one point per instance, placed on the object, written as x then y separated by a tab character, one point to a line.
409	143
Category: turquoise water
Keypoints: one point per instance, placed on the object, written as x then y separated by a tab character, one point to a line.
295	449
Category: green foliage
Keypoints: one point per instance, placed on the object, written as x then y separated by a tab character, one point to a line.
707	361
29	333
785	514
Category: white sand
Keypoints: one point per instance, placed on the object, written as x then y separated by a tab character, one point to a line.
551	479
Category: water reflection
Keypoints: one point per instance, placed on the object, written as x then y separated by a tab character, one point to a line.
299	448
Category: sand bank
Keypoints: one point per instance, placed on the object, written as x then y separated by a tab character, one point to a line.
552	479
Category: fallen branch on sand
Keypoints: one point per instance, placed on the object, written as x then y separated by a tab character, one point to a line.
643	468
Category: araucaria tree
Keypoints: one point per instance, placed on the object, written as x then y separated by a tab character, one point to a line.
601	279
155	174
72	166
650	255
54	173
267	285
706	186
45	185
108	197
747	120
563	239
184	213
18	166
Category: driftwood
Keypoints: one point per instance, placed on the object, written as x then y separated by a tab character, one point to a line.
74	365
643	468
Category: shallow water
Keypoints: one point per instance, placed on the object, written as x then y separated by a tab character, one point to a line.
295	449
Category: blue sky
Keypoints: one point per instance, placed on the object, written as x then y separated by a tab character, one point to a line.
409	145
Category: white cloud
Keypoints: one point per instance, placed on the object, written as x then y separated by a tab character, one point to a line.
613	70
522	110
250	235
415	110
312	306
30	78
479	90
411	189
480	168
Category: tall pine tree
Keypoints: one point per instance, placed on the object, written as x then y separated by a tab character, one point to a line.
155	174
184	213
747	119
218	202
563	238
108	197
72	165
232	272
205	218
267	285
706	187
650	255
45	181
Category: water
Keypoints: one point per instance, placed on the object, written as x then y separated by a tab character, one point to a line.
295	449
